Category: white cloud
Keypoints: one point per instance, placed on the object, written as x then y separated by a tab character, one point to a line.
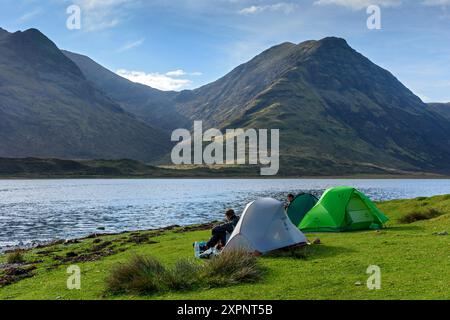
155	80
358	4
180	73
176	73
131	45
281	6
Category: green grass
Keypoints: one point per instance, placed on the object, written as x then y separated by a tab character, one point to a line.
414	262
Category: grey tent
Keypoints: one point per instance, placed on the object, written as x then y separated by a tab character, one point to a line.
263	227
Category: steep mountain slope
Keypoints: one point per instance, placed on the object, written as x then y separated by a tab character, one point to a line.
336	110
49	109
153	106
442	109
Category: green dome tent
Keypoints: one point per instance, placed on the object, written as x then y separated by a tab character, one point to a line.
343	209
300	206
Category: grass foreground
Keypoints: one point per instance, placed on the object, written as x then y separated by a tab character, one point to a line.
412	253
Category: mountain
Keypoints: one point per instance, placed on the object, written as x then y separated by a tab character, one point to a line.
442	109
337	111
49	109
152	106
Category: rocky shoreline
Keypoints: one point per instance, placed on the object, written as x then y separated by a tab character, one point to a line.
44	244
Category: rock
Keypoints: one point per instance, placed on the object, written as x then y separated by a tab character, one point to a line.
317	241
101	228
443	233
358	283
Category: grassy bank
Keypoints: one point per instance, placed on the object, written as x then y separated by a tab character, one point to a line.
413	257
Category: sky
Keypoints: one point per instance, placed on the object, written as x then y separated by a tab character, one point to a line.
184	44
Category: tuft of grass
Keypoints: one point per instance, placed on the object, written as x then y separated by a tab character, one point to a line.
146	275
185	275
141	275
420	215
232	267
15	257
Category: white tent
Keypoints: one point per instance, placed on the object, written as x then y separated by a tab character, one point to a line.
263	227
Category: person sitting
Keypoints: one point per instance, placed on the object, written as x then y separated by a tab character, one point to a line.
219	233
290	198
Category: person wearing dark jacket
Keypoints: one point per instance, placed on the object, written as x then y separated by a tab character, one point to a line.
290	198
219	233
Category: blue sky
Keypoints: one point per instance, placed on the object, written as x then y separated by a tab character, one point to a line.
183	44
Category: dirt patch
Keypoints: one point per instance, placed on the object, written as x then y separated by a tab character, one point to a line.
73	257
99	246
97	251
141	239
12	275
47	251
200	227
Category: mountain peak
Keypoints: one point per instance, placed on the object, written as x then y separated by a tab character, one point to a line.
37	50
276	49
334	40
32	30
332	43
34	34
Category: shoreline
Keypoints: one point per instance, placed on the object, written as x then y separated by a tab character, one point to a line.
46	244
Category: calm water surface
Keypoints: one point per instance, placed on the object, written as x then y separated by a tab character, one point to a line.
34	211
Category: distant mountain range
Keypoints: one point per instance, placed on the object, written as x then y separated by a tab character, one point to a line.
338	113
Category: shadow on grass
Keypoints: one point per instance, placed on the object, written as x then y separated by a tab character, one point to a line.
405	228
311	252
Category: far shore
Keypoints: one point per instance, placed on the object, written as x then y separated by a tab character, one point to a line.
39	168
424	176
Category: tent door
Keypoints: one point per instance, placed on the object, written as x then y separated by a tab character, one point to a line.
358	214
